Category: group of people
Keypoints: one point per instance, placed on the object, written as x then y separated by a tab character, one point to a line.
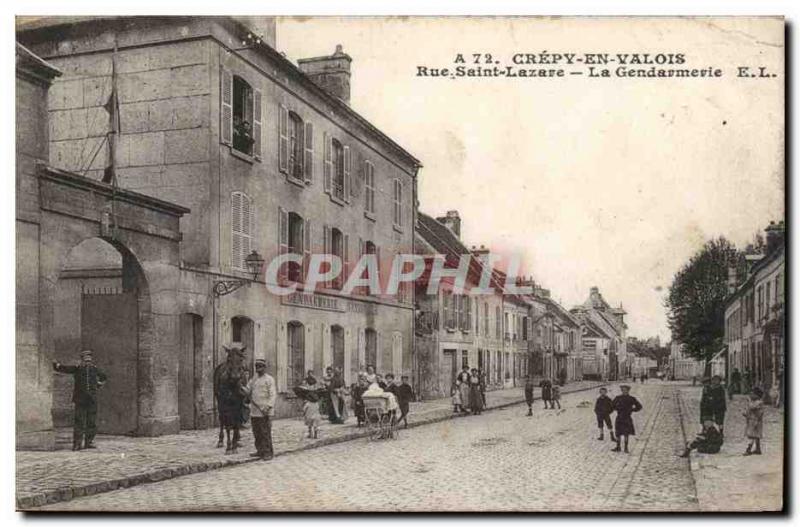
551	394
332	392
712	418
469	391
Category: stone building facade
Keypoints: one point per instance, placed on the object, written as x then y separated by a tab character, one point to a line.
270	158
604	339
755	316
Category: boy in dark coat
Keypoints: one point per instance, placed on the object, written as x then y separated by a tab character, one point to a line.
625	405
603	408
712	403
404	394
707	442
547	393
529	394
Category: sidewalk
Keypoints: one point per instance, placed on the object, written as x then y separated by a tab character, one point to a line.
729	481
122	461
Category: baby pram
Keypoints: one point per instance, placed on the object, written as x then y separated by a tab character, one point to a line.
381	421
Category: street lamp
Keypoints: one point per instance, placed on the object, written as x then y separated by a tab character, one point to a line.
254	262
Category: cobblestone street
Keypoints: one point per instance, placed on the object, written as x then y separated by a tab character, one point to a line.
499	461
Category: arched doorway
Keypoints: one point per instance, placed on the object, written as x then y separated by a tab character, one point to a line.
101	303
243	330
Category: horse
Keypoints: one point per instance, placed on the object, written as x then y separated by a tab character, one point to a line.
229	378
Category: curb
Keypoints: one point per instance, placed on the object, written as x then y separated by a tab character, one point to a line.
693	461
68	493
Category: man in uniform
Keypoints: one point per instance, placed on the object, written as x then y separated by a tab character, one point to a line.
261	391
87	380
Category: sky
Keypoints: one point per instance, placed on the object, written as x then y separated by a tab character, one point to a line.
613	183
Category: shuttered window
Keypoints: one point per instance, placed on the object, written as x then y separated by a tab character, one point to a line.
369	187
397	216
257	124
308	153
226	106
283	139
241	229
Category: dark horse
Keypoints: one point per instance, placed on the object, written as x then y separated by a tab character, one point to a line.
229	379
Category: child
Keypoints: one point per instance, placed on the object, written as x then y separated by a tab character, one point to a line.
311	417
547	391
405	394
456	398
625	405
603	408
556	397
755	421
529	394
707	442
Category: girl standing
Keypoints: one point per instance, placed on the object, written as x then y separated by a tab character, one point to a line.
755	421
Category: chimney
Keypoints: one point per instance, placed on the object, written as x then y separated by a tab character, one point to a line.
453	222
331	72
775	236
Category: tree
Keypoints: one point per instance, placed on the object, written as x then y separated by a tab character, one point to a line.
696	301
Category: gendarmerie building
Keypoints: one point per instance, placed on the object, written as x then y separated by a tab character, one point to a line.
262	157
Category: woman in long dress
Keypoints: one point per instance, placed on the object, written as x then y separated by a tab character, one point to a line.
475	399
465	388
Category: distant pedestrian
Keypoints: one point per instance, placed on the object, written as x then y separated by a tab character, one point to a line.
356	392
261	392
603	408
464	387
87	381
736	383
634	378
694	380
455	392
547	392
482	377
644	378
529	394
625	405
709	441
475	399
712	403
754	429
556	397
371	377
747	381
404	394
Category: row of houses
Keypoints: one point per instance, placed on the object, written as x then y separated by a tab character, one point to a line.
755	311
507	335
162	160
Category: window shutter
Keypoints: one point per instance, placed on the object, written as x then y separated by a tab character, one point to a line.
247	228
347	182
467	313
226	107
346	256
283	139
306	248
308	156
257	124
361	290
378	258
326	242
236	230
446	309
283	240
328	165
